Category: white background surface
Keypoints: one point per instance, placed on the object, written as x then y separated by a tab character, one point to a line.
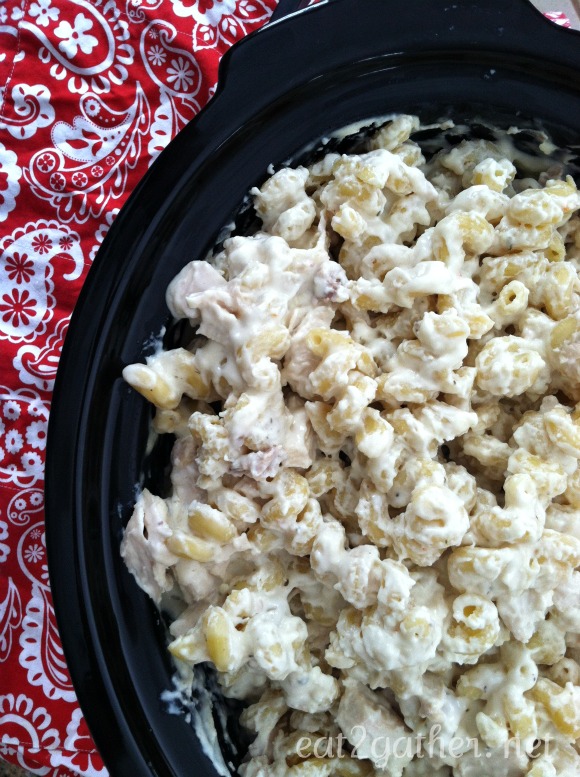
570	7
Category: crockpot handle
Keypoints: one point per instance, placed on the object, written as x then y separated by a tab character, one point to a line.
491	13
444	24
286	7
328	34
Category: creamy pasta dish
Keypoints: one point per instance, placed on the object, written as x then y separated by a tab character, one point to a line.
374	515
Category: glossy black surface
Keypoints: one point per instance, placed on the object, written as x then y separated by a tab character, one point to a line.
283	87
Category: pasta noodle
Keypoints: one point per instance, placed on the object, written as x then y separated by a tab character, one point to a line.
373	522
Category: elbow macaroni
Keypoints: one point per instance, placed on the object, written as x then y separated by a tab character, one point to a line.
374	513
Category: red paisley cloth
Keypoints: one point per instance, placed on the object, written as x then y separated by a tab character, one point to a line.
92	91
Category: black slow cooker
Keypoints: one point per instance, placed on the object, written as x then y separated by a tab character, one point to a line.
280	89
